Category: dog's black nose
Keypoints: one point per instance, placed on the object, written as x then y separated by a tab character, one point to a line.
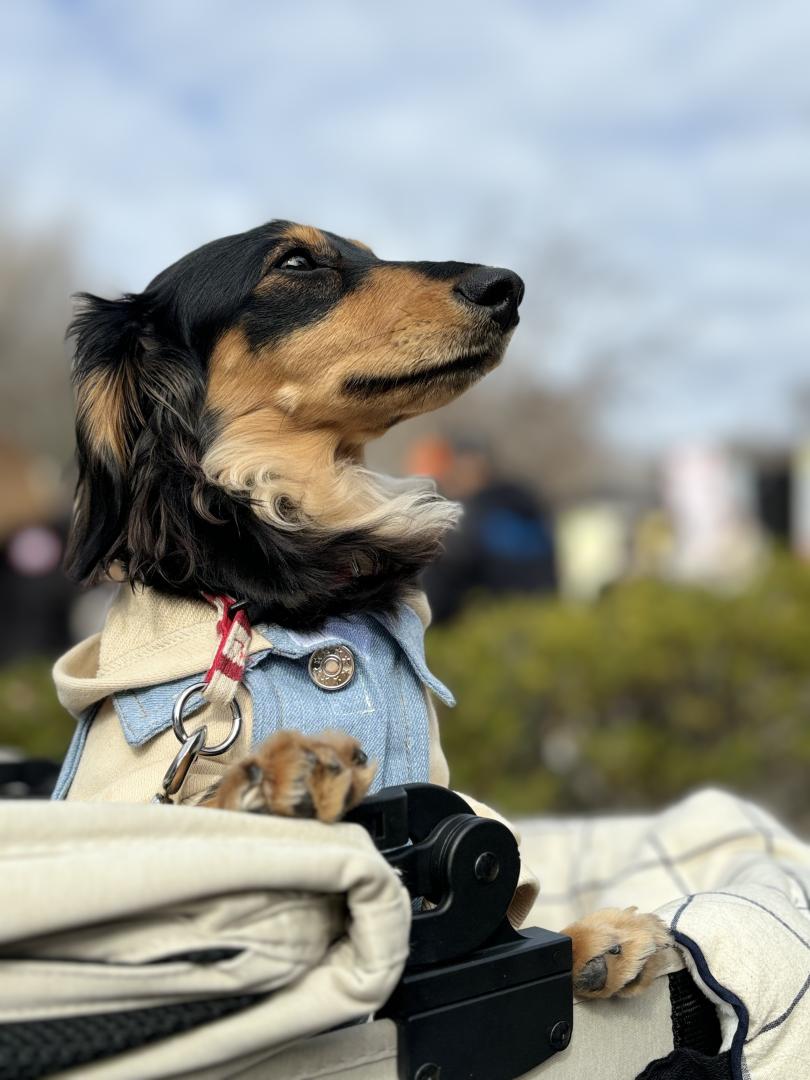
499	291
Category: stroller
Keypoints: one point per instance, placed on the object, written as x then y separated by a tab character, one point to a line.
146	941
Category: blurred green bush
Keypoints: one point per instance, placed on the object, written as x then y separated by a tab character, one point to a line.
634	700
625	703
31	719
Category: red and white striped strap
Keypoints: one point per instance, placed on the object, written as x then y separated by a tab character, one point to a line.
228	667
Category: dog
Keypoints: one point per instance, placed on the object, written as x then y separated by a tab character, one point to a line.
221	419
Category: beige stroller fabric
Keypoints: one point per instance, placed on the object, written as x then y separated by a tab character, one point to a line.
93	892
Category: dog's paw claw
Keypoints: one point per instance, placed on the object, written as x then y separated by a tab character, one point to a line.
294	775
617	952
592	976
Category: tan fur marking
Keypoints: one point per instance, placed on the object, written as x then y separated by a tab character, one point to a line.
291	434
106	403
309	237
264	452
397	323
289	428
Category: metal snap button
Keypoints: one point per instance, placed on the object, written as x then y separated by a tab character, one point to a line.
331	667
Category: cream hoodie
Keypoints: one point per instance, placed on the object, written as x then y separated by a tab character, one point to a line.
150	639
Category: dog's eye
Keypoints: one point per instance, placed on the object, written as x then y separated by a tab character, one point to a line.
296	260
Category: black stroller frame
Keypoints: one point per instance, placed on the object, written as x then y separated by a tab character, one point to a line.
477	999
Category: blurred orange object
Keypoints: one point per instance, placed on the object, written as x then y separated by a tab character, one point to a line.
429	455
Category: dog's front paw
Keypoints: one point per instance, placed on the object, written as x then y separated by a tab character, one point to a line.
618	952
294	775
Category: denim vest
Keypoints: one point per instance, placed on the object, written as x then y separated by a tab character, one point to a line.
383	705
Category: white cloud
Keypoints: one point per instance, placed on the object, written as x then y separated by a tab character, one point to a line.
669	139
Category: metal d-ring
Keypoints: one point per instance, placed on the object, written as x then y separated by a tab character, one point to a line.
183	735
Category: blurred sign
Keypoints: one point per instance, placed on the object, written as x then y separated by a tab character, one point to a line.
716	537
592	548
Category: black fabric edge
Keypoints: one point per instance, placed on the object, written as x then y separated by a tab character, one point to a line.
743	1019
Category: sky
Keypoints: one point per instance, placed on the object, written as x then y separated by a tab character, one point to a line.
645	166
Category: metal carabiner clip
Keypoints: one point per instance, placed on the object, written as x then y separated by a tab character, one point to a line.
193	745
184	759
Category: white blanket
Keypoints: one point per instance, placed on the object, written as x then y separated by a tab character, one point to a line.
734	886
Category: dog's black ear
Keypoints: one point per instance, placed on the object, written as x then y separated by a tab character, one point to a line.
135	395
108	351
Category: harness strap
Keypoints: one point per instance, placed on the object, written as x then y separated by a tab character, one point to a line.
218	689
228	666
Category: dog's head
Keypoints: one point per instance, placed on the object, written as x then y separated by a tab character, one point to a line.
221	416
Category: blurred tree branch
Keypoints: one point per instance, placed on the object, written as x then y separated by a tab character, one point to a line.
36	409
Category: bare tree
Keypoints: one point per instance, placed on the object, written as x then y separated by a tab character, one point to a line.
35	400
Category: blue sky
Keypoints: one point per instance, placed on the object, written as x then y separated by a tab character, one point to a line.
646	166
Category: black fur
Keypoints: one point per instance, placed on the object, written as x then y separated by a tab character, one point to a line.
155	512
370	385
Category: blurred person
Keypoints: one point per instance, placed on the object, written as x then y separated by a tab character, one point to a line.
504	543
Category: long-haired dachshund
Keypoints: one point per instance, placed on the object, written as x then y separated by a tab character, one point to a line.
222	416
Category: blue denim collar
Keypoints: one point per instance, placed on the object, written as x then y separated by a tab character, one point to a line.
404	626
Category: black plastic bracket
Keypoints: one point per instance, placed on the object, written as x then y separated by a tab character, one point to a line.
478	1000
